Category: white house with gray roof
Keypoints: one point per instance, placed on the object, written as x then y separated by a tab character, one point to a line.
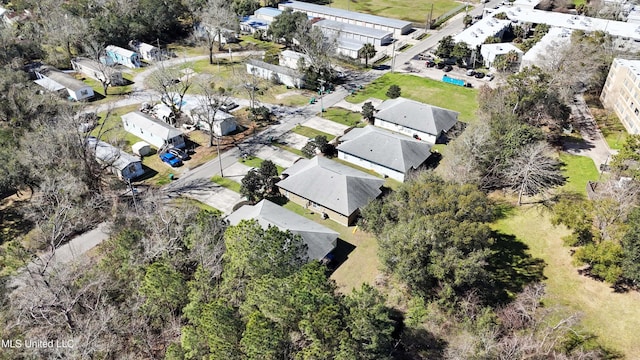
326	186
271	72
412	118
55	80
121	163
385	152
319	239
291	59
155	132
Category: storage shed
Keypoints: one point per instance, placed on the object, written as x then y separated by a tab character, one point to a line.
141	148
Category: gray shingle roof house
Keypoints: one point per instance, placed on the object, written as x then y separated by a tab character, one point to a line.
121	163
383	151
320	240
414	118
335	189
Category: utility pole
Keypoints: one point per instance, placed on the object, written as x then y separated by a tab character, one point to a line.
133	195
321	96
219	157
427	26
393	56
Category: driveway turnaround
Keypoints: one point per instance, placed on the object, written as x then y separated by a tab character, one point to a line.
324	125
278	156
236	172
216	196
294	140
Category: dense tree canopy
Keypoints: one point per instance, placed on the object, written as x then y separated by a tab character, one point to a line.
433	235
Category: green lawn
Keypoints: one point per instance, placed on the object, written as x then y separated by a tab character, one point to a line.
113	92
344	117
612	129
227	183
226	73
579	170
362	264
111	129
311	133
247	40
461	99
414	11
256	162
613	317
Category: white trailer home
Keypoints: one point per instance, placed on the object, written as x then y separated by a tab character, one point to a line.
155	132
98	71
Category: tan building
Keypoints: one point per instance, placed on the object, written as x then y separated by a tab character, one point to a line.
328	187
621	93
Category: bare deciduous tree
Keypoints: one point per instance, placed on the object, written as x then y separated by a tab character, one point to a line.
533	171
210	101
215	17
172	83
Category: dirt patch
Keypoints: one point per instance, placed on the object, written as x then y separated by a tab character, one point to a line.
287	94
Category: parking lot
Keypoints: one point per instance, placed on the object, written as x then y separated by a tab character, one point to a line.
418	68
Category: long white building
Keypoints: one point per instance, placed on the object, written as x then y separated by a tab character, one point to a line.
355	32
395	26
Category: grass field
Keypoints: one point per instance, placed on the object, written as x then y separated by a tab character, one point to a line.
344	117
310	132
579	170
227	183
612	129
361	264
414	11
113	92
613	317
461	99
111	129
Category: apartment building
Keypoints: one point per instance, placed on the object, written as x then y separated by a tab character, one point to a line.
621	93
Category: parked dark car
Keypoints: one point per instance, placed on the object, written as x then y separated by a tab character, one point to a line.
447	68
440	65
182	155
228	106
430	63
170	159
479	75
